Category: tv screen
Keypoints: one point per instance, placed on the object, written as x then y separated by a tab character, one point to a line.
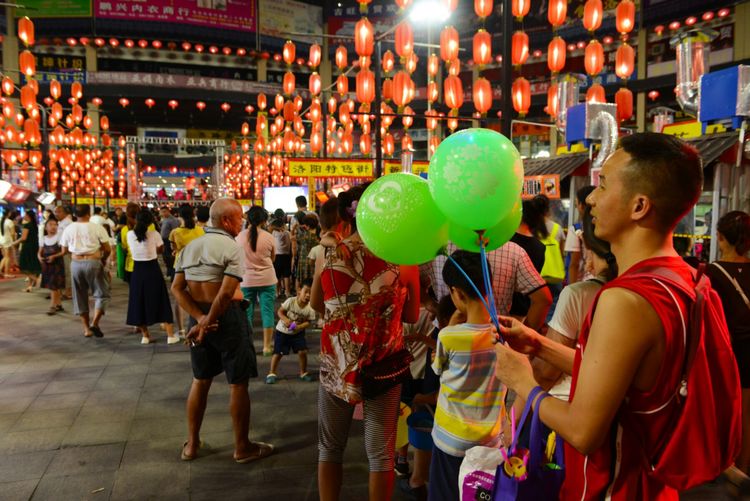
283	197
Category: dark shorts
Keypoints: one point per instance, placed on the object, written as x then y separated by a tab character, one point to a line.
443	476
282	343
282	264
741	350
227	349
409	389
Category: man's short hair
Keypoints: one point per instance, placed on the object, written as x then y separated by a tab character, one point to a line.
583	193
665	169
301	201
97	210
83	210
220	208
202	214
64	208
329	214
471	263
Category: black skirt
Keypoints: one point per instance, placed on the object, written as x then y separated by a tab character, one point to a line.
148	299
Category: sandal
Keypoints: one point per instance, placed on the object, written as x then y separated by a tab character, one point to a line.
264	450
188	457
52	311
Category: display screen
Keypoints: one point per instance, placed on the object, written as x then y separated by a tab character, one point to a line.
283	197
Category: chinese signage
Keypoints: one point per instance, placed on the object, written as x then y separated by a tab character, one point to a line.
65	69
548	184
330	167
282	17
180	81
55	8
225	14
417	167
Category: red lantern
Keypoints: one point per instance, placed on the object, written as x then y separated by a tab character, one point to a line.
124	102
387	89
173	103
289	111
278	102
315	84
449	44
332	105
225	107
341	57
653	95
315	112
482	95
483	8
556	55
596	94
520	48
624	102
76	90
150	102
28	97
432	92
364	38
200	105
624	61
482	48
289	53
9	87
520	8
262	101
365	86
594	58
551	108
453	92
388	61
342	85
521	95
365	144
26	31
388	145
288	83
404	39
402	89
433	65
26	63
314	58
408	119
557	12
625	16
593	12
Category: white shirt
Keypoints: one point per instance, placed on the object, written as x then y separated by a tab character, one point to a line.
146	250
83	238
9	233
97	219
296	314
64	224
316	253
51	239
574	243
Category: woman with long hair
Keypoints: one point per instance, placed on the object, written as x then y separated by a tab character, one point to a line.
131	212
259	280
28	261
7	237
148	299
179	238
283	262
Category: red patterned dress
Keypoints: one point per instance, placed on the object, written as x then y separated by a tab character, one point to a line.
364	299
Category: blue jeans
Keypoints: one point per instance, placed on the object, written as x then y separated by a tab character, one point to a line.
265	295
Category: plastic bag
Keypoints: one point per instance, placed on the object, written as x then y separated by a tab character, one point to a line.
476	477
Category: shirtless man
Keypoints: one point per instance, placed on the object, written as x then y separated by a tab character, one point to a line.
206	285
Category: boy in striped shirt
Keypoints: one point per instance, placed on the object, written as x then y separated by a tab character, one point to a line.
470	400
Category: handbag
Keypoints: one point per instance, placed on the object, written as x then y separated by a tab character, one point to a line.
536	472
379	377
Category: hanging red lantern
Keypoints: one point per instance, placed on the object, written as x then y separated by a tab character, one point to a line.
556	55
200	105
624	61
342	85
364	38
653	95
261	124
593	12
483	8
453	92
365	86
288	83
624	102
245	129
289	52
26	31
26	63
407	144
482	45
225	107
149	102
289	111
314	58
521	95
9	87
173	104
432	92
387	89
596	94
410	65
551	107
28	97
404	39
625	16
278	102
315	84
433	65
402	85
76	90
482	95
557	12
408	119
520	8
262	101
388	62
594	58
341	57
388	145
365	144
124	102
332	105
315	112
449	44
520	48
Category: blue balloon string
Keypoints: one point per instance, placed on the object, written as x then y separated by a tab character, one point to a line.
492	310
481	296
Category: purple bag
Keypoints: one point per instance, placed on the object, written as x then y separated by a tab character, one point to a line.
542	480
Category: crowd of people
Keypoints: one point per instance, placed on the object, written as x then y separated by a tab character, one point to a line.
558	294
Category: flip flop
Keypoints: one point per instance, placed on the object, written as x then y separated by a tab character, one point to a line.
264	450
187	457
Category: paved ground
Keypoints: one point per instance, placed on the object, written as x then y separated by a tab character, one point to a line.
104	418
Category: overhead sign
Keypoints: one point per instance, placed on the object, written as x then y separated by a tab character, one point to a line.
548	184
417	167
55	8
225	14
330	167
63	68
282	17
201	84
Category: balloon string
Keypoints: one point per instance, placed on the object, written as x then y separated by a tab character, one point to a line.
492	309
468	279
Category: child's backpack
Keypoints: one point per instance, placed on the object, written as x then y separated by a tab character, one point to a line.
553	271
707	429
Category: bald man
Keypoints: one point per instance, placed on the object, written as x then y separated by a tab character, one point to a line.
206	284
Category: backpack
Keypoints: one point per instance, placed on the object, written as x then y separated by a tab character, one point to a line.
553	271
707	426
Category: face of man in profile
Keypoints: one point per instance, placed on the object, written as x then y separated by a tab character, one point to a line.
608	202
232	220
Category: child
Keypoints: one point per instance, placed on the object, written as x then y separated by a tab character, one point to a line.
470	399
295	315
53	266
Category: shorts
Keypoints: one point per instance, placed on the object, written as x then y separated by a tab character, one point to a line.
410	388
282	264
444	469
227	349
282	343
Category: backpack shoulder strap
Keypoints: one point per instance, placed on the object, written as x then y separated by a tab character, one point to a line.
733	281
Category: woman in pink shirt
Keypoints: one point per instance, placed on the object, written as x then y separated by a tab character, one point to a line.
259	278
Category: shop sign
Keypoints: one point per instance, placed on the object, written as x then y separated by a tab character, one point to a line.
282	17
548	184
63	68
330	167
417	167
201	84
55	8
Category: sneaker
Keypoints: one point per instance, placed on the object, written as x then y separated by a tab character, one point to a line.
271	379
173	339
306	377
402	469
146	340
413	493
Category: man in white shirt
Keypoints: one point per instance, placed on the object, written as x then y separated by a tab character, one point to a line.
64	219
88	245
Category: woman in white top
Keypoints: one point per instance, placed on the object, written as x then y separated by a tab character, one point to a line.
7	236
259	280
148	300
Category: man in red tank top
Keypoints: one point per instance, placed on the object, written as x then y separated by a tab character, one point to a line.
632	344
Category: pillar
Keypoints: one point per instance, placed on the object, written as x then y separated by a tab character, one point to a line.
642	60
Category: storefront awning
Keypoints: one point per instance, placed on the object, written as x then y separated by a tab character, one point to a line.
712	146
564	165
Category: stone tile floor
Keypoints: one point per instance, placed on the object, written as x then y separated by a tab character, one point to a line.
104	418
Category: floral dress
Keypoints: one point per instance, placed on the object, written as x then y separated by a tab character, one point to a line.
306	240
364	298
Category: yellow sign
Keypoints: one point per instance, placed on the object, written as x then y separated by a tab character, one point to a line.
101	201
691	129
329	167
574	148
393	166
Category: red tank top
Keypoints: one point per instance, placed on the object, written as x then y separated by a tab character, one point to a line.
618	470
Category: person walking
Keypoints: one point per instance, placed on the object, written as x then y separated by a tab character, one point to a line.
206	284
259	278
28	260
148	299
168	223
65	219
53	266
88	245
7	237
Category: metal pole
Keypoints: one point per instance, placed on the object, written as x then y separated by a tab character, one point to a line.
378	118
716	210
507	104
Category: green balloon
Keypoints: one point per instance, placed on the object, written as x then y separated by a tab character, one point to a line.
475	177
399	221
467	239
